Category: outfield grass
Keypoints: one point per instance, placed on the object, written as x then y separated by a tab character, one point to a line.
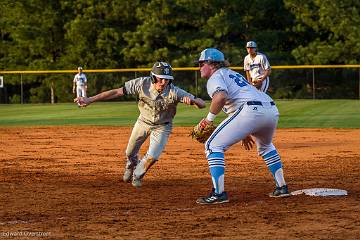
293	114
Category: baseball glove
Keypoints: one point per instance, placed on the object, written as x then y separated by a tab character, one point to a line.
201	135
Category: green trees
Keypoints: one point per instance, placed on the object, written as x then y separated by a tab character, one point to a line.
330	30
43	35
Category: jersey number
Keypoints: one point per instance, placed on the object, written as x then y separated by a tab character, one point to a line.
240	80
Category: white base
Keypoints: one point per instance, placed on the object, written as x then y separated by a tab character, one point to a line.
321	192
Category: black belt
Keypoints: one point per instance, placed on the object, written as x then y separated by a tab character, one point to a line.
258	103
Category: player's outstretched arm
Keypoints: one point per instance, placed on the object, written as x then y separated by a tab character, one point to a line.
111	94
197	102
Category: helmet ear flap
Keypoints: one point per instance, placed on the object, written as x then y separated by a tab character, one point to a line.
153	78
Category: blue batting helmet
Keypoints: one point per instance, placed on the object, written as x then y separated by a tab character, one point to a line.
211	55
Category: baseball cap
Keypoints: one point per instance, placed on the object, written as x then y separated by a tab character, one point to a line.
162	70
80	68
251	44
211	55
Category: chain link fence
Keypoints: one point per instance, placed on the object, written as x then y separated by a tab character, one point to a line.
286	82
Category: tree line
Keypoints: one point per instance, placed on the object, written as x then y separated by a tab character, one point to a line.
65	34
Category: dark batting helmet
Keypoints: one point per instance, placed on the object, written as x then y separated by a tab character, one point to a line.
161	70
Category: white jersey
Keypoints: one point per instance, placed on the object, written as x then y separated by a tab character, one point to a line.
257	66
238	89
80	80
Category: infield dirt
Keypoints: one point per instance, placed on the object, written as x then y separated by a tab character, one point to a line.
66	182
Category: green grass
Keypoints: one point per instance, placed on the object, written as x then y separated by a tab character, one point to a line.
319	113
293	114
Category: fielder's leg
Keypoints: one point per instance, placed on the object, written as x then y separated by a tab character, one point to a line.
78	91
230	131
83	91
268	152
78	94
273	161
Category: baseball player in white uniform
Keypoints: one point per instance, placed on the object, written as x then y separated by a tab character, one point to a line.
250	112
257	67
80	83
158	99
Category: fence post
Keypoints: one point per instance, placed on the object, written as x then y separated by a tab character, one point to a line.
313	83
359	82
52	92
196	84
21	90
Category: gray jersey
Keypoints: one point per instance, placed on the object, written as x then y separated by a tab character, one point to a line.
155	107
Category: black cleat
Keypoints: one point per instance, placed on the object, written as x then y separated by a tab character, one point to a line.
280	192
214	198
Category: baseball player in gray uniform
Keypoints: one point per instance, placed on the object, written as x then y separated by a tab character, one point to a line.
250	112
158	98
80	83
257	67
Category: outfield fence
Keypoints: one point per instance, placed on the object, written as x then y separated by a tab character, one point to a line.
286	82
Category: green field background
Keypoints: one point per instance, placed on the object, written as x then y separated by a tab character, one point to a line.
293	114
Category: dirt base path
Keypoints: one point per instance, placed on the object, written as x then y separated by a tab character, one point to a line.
66	183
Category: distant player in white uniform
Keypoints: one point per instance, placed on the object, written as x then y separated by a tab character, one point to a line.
257	67
80	83
158	99
250	112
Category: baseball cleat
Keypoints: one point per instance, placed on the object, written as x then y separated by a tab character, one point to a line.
129	169
128	175
139	170
280	192
213	198
142	167
136	182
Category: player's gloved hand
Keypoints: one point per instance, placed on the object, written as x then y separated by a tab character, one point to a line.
202	134
257	84
204	122
247	142
258	81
